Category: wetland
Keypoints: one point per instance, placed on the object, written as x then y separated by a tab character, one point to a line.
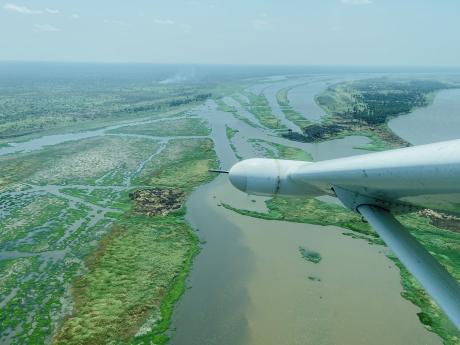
113	231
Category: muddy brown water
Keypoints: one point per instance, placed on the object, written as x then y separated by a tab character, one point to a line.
249	284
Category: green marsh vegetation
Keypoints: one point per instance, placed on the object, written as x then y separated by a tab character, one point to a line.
222	106
103	197
165	128
274	150
310	255
182	164
230	133
81	261
373	101
133	278
138	271
259	106
289	112
363	107
81	102
81	258
110	158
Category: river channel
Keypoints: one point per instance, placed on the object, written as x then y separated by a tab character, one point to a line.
249	285
437	122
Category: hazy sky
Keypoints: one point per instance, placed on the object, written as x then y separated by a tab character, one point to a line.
321	32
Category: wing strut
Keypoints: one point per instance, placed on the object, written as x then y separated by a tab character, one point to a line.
444	288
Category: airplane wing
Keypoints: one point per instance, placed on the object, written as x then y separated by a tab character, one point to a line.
444	289
377	185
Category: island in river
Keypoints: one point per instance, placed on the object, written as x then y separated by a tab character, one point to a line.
106	202
365	106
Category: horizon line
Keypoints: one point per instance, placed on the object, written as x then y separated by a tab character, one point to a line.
228	64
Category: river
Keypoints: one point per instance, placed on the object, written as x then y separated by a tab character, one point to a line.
249	285
302	99
437	122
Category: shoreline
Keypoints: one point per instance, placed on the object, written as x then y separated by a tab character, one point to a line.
103	193
430	315
338	123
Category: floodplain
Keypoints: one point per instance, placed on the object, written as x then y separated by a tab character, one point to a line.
112	230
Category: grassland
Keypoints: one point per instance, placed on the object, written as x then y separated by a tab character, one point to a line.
139	268
166	128
230	133
80	260
289	112
79	101
259	106
121	298
73	254
113	197
182	164
273	150
222	106
85	161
